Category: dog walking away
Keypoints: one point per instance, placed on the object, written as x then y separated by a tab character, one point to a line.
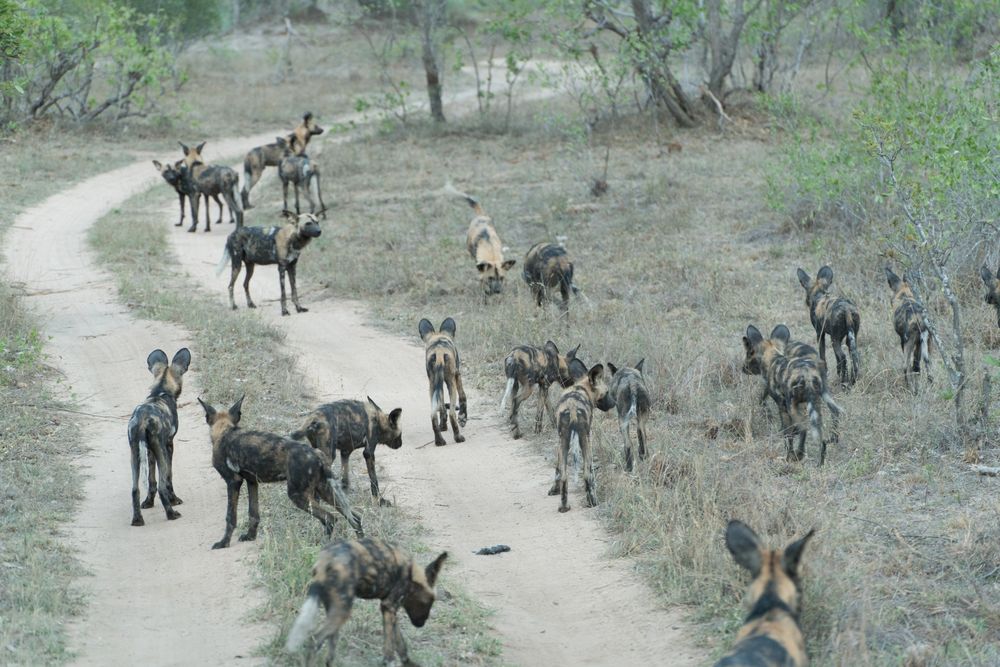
574	414
212	181
300	171
282	245
792	349
258	457
628	392
151	432
546	267
908	320
771	634
836	317
443	369
483	244
343	426
270	155
527	367
369	569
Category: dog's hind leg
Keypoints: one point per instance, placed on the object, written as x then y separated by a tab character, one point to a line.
518	399
588	468
319	195
463	411
246	283
174	499
232	500
161	461
543	405
218	202
281	279
150	482
453	394
253	510
234	274
338	611
369	454
136	472
180	196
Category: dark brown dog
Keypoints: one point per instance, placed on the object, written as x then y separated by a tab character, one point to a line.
151	430
771	634
574	414
628	392
260	458
527	367
348	425
270	155
908	320
835	316
251	246
443	368
547	266
212	181
369	569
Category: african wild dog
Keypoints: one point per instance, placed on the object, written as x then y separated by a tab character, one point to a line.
796	384
300	171
484	246
792	349
574	414
272	245
443	368
992	283
527	366
771	634
835	316
270	155
547	266
348	425
151	430
212	181
908	320
259	458
184	187
369	569
628	392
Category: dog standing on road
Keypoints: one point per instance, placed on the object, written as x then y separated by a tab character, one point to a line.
526	367
270	155
443	368
212	181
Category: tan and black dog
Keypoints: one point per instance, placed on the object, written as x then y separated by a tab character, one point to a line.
151	430
792	349
992	283
628	391
443	368
835	316
797	386
908	320
547	266
212	181
300	171
771	635
270	155
527	367
574	414
369	569
484	246
282	245
184	188
343	426
258	457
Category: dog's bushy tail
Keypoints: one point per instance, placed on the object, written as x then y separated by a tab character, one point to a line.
507	392
221	266
305	620
137	433
437	388
451	190
575	454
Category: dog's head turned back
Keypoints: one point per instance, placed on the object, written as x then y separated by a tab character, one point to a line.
168	376
420	596
562	362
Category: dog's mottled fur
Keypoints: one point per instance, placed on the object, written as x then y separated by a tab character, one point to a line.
258	457
628	391
908	320
151	431
527	367
483	244
836	317
270	155
771	635
547	266
282	245
343	426
369	569
300	171
184	187
444	368
212	181
574	414
797	386
992	283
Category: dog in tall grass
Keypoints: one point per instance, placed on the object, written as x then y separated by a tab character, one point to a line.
258	457
343	426
271	155
770	634
444	369
483	244
992	283
369	569
527	367
250	246
151	431
630	396
908	320
574	415
836	317
797	386
213	181
546	267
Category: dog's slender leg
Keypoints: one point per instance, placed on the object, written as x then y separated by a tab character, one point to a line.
297	209
623	427
345	472
208	211
437	421
253	510
463	411
640	431
562	475
295	292
233	275
305	501
588	469
404	654
136	513
193	199
180	195
233	493
337	614
389	632
161	461
518	399
174	499
369	454
319	194
218	202
246	283
452	394
281	279
284	191
543	405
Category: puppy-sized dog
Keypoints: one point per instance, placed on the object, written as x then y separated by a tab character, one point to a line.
527	367
151	430
270	245
628	391
443	368
908	320
547	266
483	244
212	181
258	457
369	569
574	414
771	634
348	425
300	171
834	316
270	155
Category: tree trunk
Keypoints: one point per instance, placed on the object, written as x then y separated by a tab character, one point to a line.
431	18
653	65
723	45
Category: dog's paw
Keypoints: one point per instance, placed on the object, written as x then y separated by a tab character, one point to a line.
554	491
285	313
147	503
384	503
248	537
221	544
516	435
459	438
176	501
440	442
172	514
301	309
564	508
192	229
179	224
251	305
138	521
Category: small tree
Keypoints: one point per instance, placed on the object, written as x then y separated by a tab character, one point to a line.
431	17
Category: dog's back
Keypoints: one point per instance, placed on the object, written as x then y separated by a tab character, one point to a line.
548	264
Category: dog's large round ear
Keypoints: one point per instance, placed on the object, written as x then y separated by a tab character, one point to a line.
156	361
781	333
425	328
181	361
595	373
745	546
307	116
892	278
236	412
826	275
753	335
793	552
183	147
200	147
551	347
577	369
572	353
987	277
210	412
158	165
432	570
448	326
638	365
394	416
612	368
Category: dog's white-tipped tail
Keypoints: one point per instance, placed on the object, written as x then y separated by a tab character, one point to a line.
507	393
143	461
632	411
925	349
303	624
814	427
575	455
222	262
